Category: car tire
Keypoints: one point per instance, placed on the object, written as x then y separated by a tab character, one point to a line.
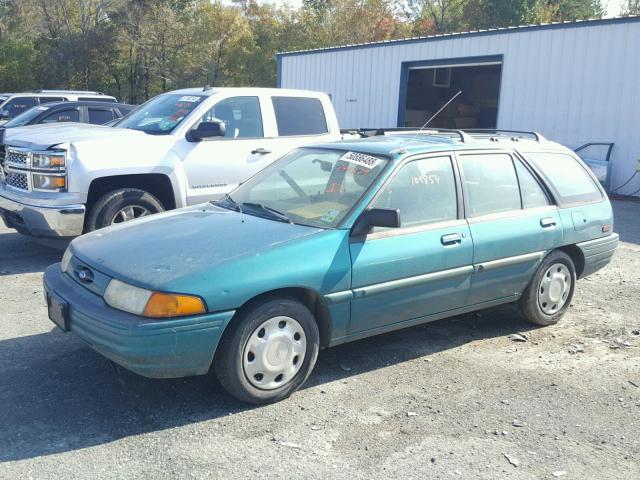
550	292
121	205
270	339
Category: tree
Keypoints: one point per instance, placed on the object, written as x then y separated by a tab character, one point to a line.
632	7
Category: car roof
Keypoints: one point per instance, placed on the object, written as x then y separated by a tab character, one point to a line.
403	145
244	90
85	103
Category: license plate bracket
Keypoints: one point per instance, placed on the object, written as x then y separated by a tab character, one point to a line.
58	311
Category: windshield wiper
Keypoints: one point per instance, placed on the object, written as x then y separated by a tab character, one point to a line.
272	211
233	203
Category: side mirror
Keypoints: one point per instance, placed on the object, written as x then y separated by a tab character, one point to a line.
206	130
376	217
4	114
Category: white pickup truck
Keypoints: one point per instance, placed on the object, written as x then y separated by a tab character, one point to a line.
180	148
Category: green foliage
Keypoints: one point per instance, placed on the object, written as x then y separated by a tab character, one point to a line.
135	49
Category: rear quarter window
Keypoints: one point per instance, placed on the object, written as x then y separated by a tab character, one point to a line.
299	116
570	180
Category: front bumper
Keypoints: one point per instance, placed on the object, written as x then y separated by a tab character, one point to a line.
44	221
153	348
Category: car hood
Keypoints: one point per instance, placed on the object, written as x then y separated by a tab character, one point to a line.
46	136
160	251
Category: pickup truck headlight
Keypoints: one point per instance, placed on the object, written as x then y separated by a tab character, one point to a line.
53	183
49	160
141	301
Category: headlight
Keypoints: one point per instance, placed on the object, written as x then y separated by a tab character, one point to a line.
140	301
52	161
66	258
53	183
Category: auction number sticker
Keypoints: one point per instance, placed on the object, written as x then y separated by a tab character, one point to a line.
189	98
361	159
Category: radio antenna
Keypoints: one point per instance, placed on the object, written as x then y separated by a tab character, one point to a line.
441	109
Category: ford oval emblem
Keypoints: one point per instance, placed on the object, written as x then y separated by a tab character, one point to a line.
84	275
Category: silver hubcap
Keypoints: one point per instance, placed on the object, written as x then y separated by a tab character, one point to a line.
554	288
129	213
274	353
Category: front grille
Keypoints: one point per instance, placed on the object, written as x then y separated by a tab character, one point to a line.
17	180
16	158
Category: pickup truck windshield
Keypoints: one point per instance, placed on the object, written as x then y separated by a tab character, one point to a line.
25	117
309	186
161	114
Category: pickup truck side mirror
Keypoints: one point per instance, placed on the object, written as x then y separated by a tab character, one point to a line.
206	130
376	217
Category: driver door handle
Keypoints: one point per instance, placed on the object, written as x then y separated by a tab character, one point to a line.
451	239
261	151
547	222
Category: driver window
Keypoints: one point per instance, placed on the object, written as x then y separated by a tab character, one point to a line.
240	115
424	191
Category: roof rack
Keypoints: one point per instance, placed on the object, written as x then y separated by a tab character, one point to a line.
86	92
512	134
373	132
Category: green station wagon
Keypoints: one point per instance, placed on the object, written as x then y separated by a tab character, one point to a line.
333	243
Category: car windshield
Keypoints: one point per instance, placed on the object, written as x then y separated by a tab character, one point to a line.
160	115
25	117
309	186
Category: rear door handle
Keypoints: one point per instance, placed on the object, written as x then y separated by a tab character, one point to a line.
261	151
451	239
547	222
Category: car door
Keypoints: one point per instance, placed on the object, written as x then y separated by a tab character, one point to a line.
422	268
217	165
512	223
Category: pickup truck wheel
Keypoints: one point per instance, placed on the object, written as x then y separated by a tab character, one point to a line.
549	294
268	351
122	205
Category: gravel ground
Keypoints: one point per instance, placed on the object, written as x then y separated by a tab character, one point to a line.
452	399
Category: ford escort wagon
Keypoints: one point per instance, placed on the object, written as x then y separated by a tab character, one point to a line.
333	243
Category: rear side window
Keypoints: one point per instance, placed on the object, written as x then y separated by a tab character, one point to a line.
51	99
71	115
490	184
571	180
532	193
299	116
99	116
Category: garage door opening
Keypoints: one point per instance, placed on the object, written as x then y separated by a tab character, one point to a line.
429	88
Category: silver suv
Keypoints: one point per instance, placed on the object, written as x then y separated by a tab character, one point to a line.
13	104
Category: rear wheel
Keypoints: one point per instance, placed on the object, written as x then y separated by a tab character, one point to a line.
268	351
122	205
549	294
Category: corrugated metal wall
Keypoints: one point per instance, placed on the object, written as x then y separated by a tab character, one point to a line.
574	83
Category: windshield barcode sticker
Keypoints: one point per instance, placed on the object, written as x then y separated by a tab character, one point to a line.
188	98
361	159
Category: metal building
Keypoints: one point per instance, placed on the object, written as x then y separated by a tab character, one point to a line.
574	82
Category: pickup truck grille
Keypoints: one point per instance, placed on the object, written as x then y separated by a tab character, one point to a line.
16	158
17	180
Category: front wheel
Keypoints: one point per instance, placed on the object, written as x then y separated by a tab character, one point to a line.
549	294
268	351
121	205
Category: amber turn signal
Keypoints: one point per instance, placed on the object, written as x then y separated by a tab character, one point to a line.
165	305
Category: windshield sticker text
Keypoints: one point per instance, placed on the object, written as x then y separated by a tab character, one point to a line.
189	98
361	159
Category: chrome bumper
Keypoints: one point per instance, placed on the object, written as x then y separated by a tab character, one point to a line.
59	221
